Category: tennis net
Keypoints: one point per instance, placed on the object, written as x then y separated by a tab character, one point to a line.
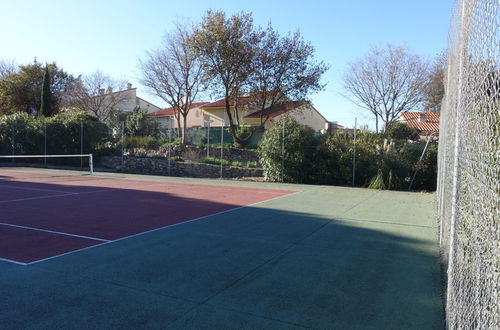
83	160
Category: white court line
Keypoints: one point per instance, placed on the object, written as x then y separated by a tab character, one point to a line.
54	232
230	188
34	189
34	198
59	195
14	262
164	227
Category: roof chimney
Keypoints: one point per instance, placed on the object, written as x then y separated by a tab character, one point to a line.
110	89
101	91
129	86
421	117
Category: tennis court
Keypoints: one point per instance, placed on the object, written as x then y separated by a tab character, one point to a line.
46	215
113	251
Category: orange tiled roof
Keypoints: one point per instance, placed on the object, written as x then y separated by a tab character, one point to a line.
170	111
430	120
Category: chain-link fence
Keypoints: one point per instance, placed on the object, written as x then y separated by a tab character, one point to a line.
469	167
137	146
34	137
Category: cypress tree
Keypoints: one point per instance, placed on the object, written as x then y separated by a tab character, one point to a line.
46	97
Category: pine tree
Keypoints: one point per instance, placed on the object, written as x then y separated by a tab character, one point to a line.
46	96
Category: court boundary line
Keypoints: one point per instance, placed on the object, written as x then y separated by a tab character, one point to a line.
34	189
160	228
14	261
154	183
99	175
60	195
54	232
35	198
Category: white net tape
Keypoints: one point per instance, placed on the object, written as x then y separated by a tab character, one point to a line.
469	167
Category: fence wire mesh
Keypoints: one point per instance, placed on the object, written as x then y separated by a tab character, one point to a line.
138	146
469	167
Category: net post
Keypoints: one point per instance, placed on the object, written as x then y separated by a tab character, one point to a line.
91	164
81	144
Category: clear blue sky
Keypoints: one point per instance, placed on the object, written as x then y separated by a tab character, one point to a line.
83	36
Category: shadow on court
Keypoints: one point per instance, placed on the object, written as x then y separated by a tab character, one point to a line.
255	267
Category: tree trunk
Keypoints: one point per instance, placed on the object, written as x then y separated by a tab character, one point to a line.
184	128
179	133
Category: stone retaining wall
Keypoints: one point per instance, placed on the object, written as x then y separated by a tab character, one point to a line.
194	153
159	166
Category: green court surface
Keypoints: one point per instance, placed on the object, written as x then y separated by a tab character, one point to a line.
324	258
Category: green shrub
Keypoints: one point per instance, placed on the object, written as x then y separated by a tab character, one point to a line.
135	123
225	145
59	134
214	161
338	158
300	147
251	164
401	131
146	142
237	164
177	159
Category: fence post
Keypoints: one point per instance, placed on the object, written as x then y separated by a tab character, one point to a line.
221	145
283	151
81	144
354	153
169	144
13	140
45	142
123	140
208	138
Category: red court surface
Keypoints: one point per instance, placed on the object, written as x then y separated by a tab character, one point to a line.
44	216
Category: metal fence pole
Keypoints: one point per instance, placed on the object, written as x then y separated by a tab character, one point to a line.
13	140
221	145
45	143
354	153
169	144
283	151
123	141
81	144
208	139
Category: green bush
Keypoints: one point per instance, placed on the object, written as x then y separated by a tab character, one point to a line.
146	142
300	147
237	164
380	163
401	131
61	134
135	123
214	161
338	155
251	164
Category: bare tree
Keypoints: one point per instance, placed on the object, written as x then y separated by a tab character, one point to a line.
96	93
386	82
7	67
174	73
284	70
